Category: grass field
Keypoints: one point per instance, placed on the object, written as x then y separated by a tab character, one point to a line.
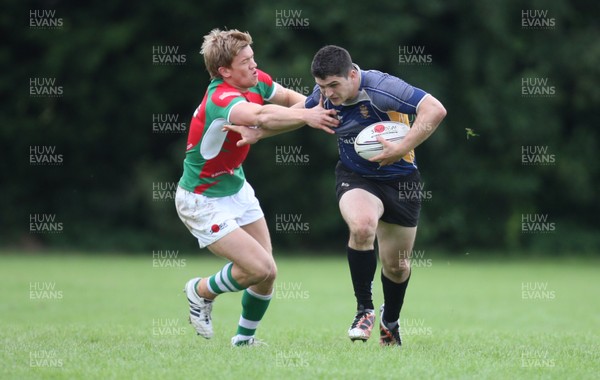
119	317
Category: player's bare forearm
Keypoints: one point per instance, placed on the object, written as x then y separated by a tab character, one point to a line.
275	117
430	114
265	132
251	135
275	132
285	119
287	98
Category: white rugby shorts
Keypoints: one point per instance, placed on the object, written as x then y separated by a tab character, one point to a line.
211	218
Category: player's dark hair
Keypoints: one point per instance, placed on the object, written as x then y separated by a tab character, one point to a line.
331	60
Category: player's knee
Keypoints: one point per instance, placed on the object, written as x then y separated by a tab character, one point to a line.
272	273
265	271
363	231
399	269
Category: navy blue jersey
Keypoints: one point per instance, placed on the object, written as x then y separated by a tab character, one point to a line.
381	97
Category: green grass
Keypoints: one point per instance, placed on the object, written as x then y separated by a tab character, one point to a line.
113	317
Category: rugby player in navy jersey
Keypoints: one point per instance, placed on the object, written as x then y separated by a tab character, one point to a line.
376	197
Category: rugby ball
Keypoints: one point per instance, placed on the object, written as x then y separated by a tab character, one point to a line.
366	144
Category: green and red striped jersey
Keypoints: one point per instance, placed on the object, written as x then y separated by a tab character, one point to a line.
213	162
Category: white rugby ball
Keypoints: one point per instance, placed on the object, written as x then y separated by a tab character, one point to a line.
366	144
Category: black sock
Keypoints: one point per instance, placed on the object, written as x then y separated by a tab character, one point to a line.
363	265
393	297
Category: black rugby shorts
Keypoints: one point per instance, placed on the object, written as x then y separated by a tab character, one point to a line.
401	198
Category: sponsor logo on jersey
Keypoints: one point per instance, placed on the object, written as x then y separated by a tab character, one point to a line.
216	174
349	140
228	94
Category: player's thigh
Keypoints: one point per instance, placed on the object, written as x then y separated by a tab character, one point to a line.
360	209
247	254
260	232
395	245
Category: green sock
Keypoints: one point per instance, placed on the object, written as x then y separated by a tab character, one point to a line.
223	281
254	307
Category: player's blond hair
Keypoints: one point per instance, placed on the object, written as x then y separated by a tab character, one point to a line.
220	48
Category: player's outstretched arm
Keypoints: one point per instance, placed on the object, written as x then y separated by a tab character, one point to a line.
266	119
272	116
252	134
283	97
429	115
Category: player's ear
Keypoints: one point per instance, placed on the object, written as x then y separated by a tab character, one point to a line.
353	73
224	71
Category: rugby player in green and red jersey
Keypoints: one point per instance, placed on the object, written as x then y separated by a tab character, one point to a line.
213	199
